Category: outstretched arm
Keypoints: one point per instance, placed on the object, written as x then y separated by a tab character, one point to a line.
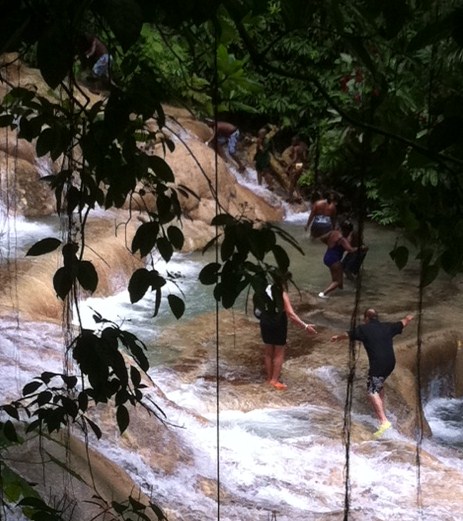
348	246
406	320
292	315
342	336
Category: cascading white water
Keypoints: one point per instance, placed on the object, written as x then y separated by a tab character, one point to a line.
280	455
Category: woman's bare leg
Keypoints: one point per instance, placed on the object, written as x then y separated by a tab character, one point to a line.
268	361
336	278
278	359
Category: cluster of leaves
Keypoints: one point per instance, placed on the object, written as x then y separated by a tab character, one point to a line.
55	400
376	83
389	77
241	241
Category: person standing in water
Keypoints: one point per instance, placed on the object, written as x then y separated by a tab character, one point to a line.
377	338
298	158
352	261
322	218
273	312
262	155
338	243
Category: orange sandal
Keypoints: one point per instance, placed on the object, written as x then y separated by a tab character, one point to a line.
279	385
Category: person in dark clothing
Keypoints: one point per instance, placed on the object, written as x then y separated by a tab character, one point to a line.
352	261
273	312
377	338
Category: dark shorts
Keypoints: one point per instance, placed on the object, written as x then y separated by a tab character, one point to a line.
375	384
321	224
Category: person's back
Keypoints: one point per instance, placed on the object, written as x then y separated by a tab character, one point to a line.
322	216
377	338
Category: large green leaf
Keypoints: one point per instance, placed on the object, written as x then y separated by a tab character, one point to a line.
55	53
176	305
145	238
44	246
62	281
165	248
123	418
160	168
209	274
87	276
281	258
139	283
176	237
400	256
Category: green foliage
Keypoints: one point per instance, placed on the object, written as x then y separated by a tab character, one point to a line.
376	85
307	179
241	242
55	400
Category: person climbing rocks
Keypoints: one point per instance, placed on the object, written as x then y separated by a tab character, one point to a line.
377	338
337	244
225	134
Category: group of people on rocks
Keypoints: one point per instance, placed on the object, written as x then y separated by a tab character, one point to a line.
344	255
225	139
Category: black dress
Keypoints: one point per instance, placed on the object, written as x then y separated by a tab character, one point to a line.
274	328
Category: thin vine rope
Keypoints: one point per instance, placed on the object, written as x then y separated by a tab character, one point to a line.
353	354
215	94
419	403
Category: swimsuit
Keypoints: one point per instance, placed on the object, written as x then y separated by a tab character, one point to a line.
262	157
101	67
333	255
321	224
231	141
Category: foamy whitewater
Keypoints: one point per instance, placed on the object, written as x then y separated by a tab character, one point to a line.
284	463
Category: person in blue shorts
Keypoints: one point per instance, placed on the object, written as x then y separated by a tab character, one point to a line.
225	134
97	54
337	243
377	338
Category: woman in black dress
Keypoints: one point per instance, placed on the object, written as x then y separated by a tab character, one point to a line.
274	329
